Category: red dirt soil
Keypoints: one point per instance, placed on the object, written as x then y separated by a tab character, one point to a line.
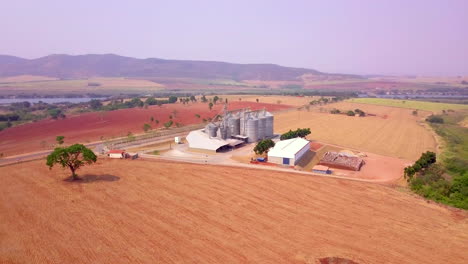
159	212
90	127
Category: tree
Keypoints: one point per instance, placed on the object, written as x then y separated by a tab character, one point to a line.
60	139
203	99
263	146
136	102
168	124
435	119
215	99
152	119
415	112
257	100
226	100
300	132
55	113
172	99
350	113
151	101
146	127
197	116
210	105
95	104
73	157
192	98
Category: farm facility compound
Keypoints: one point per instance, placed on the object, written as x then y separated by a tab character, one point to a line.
235	128
289	152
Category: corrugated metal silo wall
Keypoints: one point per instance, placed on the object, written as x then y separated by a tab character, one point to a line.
252	129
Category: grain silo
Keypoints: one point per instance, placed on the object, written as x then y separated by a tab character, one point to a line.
252	129
222	132
234	125
211	130
269	125
261	126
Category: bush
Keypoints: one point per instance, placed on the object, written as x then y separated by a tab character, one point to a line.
435	119
350	113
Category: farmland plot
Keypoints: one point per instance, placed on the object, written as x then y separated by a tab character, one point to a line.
158	212
393	132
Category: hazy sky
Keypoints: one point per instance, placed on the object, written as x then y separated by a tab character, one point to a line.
425	37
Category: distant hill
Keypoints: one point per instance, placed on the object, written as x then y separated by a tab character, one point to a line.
110	65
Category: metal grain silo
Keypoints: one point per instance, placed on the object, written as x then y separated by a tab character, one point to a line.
269	124
234	126
252	129
211	130
222	131
261	127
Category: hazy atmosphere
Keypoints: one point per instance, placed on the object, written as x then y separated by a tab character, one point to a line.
360	37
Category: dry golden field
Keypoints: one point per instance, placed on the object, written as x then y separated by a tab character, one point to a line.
274	99
26	78
158	212
393	132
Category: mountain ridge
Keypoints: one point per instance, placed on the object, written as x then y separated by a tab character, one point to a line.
66	66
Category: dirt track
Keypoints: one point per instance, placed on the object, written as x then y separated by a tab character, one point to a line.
158	212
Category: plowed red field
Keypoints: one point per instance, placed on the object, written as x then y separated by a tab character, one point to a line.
158	212
92	126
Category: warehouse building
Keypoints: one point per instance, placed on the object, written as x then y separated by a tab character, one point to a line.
232	129
289	152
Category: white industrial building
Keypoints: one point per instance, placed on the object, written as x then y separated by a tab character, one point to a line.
235	128
289	151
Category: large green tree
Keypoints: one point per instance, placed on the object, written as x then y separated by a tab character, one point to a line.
72	157
263	146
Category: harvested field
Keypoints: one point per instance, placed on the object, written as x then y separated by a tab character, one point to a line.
25	78
157	212
78	86
274	99
93	126
420	105
392	132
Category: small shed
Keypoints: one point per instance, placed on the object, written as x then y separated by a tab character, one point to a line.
116	154
321	169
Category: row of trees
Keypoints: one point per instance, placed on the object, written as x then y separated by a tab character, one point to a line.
300	132
423	162
349	112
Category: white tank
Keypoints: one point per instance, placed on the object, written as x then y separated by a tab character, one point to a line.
252	129
234	126
261	127
211	130
269	124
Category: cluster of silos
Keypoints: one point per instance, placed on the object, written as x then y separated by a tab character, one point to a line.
255	125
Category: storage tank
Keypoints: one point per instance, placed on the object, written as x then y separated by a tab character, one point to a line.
251	129
222	132
211	130
268	124
234	126
261	127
